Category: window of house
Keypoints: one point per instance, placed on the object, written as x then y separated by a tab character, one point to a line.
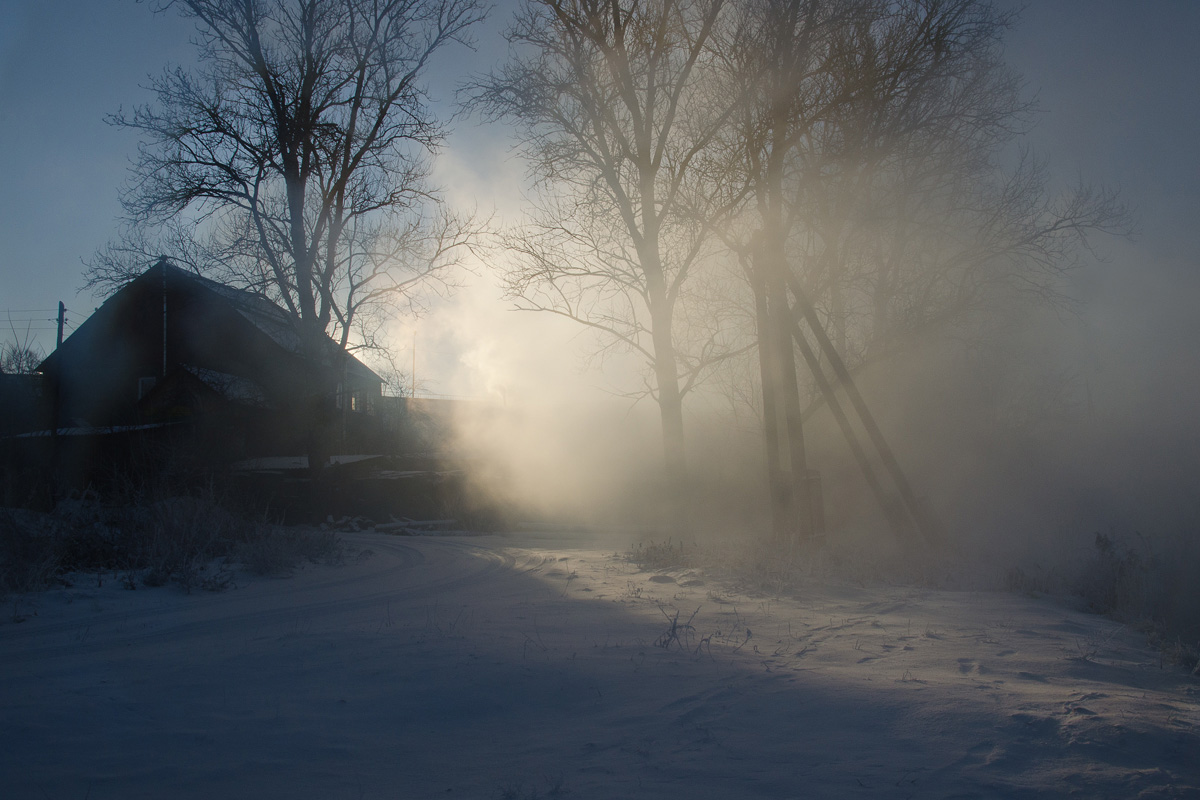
145	385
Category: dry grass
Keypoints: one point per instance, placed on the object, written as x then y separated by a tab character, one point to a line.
279	550
754	565
661	555
191	541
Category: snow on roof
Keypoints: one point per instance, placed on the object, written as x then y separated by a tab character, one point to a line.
267	316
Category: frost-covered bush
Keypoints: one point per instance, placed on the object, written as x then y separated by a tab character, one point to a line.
190	540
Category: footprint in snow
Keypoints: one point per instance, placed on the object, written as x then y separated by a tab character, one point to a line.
967	665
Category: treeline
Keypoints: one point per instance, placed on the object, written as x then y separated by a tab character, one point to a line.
814	183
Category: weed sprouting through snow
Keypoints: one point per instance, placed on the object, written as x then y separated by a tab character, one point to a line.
677	633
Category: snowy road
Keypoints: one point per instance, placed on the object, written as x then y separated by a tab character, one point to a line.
532	665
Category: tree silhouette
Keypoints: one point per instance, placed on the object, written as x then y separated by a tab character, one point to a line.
613	113
293	161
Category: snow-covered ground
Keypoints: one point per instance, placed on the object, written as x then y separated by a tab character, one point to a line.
533	665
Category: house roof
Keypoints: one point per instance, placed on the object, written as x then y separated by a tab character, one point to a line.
267	317
276	322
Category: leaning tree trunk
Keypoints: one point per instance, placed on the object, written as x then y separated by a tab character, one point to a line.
789	398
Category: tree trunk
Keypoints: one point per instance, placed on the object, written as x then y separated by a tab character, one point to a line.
670	406
778	484
320	399
774	270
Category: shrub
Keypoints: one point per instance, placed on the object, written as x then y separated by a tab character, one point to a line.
279	550
1150	587
1115	582
189	540
29	560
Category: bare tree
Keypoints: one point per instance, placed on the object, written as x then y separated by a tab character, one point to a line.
875	137
19	358
20	354
293	161
918	216
614	114
779	55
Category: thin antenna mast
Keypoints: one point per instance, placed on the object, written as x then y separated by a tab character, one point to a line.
163	263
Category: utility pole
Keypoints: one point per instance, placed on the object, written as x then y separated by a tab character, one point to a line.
56	410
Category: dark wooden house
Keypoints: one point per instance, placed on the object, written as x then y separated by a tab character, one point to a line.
193	365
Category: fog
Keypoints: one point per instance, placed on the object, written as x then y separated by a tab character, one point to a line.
1032	433
533	611
1064	425
1068	403
1043	429
1049	429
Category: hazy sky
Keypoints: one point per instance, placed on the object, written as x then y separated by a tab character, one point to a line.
1117	82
